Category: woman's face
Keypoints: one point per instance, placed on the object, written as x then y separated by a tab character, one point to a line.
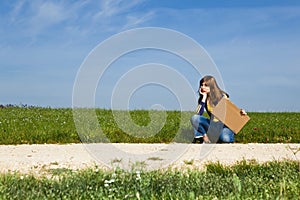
204	88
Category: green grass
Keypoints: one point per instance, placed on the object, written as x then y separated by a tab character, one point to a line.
37	125
271	128
34	125
245	180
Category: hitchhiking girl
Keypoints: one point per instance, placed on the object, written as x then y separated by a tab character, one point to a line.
210	95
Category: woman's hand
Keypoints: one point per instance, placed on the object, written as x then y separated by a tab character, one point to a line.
204	94
204	90
243	112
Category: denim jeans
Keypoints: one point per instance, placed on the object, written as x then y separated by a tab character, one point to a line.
202	124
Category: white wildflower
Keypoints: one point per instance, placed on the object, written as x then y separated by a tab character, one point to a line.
138	175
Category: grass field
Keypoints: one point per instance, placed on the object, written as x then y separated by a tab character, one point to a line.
29	125
245	180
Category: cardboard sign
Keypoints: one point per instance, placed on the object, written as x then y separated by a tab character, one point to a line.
230	115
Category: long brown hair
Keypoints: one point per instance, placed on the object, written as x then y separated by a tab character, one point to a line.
215	94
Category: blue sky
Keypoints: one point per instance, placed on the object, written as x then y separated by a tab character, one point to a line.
254	44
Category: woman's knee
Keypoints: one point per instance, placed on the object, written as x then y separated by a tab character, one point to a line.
195	119
227	135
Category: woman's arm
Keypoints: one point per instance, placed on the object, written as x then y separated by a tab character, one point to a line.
200	108
201	103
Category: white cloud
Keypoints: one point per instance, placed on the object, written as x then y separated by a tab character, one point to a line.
14	15
117	15
109	8
35	17
46	14
139	19
29	21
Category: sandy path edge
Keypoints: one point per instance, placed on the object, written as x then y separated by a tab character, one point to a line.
42	157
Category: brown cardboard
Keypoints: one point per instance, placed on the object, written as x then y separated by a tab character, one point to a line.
230	115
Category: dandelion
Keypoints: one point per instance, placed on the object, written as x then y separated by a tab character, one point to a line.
107	182
138	175
137	195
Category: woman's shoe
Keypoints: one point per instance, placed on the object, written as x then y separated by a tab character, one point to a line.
198	140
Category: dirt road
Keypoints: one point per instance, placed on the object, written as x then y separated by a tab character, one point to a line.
39	158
